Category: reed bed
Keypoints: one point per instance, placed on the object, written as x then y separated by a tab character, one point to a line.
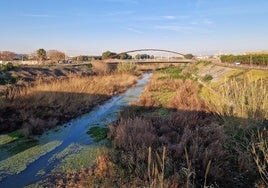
48	104
243	98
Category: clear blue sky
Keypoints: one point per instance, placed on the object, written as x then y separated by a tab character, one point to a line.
93	26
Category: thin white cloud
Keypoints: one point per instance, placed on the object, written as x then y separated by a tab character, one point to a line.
175	28
183	28
169	17
202	22
207	22
134	30
118	13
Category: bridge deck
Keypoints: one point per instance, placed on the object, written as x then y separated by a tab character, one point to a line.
149	61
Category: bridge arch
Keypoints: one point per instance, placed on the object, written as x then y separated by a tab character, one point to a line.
151	49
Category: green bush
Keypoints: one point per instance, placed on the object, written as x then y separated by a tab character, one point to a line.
8	80
7	67
98	133
207	78
89	65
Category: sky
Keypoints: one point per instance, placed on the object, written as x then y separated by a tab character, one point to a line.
91	27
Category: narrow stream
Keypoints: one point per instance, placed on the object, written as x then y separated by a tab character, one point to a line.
74	132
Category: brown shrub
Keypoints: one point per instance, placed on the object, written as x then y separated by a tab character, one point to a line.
186	97
101	67
191	130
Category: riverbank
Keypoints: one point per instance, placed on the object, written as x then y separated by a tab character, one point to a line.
70	145
49	103
192	126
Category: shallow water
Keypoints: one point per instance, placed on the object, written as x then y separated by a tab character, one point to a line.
73	132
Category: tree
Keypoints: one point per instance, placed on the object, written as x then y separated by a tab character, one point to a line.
7	56
125	56
108	54
41	54
56	55
138	56
189	56
142	56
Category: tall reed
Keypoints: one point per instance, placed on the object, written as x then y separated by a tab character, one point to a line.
243	98
259	150
156	168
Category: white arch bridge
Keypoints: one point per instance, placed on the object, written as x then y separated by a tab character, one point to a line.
180	59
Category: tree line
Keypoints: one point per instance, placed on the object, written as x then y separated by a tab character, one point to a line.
256	59
57	56
113	55
40	54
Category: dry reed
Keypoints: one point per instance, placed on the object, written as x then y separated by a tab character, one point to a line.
48	104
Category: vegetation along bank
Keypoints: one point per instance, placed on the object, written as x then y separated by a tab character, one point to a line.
197	126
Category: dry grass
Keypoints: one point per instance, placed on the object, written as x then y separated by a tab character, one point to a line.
101	67
242	97
186	97
48	104
188	125
242	103
199	152
259	150
181	130
159	91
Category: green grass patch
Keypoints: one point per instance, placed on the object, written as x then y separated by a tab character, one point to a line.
11	137
177	73
70	150
98	133
20	145
164	97
20	161
82	159
172	72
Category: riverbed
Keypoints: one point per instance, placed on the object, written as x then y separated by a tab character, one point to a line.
35	163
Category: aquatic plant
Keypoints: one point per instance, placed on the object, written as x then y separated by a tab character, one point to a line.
20	161
98	133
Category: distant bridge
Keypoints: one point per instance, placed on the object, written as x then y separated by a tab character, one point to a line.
149	61
152	50
145	61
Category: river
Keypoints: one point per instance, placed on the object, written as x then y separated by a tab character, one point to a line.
73	132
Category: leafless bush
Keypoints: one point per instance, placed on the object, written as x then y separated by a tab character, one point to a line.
202	138
186	97
101	67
